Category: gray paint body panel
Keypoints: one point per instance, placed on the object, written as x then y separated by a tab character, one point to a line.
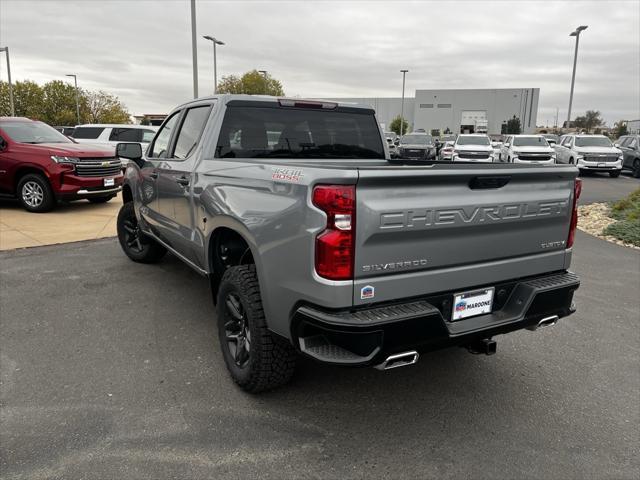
280	224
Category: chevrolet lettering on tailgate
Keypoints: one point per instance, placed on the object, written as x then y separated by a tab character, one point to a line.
426	217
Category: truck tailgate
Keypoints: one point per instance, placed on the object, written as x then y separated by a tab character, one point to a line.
431	229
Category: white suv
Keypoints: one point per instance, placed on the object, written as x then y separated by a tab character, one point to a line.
527	149
590	152
472	148
112	134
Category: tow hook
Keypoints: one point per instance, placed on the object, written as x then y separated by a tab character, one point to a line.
485	346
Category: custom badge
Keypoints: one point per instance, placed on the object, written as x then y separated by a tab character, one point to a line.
367	292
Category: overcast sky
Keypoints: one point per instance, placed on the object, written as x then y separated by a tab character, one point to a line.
140	50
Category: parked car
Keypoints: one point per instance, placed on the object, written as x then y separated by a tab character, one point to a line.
472	147
417	146
551	138
39	165
593	153
392	143
497	146
446	152
630	147
527	149
319	245
112	134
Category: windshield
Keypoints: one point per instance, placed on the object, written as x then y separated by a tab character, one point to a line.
592	142
473	140
530	142
417	139
33	132
298	133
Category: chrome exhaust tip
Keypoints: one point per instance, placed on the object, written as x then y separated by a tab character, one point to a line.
399	360
545	322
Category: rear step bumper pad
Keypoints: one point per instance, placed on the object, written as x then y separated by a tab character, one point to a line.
365	335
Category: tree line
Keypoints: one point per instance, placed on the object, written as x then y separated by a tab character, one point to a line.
55	103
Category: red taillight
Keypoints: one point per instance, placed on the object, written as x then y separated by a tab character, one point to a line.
335	244
577	189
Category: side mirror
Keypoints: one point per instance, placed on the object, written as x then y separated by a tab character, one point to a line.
397	142
507	145
130	151
617	145
3	144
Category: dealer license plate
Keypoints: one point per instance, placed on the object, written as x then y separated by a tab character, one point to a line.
109	182
470	304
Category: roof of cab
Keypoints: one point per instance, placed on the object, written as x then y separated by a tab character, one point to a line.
227	97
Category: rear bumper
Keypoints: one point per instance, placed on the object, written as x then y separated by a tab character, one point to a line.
366	336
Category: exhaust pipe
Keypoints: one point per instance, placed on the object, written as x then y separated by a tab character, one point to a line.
545	322
399	360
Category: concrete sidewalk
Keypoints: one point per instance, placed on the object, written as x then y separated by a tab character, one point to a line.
69	222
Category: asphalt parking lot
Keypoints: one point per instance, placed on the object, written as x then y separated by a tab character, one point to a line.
111	369
599	187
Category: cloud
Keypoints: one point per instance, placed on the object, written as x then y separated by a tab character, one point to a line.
141	50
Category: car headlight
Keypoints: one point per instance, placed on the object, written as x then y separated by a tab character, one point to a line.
59	159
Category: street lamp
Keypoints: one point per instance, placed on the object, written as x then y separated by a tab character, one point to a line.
264	74
13	110
575	33
75	79
215	42
404	73
194	49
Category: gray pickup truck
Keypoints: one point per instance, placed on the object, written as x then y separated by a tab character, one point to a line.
315	242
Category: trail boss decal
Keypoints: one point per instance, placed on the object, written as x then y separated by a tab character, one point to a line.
287	174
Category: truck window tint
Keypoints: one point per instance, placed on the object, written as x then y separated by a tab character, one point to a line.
190	131
161	145
89	133
261	132
125	135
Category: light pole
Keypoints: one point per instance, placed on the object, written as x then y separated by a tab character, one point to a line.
13	110
404	73
215	42
575	33
264	74
75	79
194	49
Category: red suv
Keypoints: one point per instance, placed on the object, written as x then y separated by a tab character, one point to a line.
39	165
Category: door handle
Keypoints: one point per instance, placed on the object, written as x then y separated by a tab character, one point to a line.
183	181
153	175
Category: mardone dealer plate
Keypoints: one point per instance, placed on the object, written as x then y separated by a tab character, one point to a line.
470	304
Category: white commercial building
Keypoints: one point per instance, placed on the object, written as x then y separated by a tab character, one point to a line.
460	110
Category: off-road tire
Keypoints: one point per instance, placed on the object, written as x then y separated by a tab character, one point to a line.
636	168
615	174
103	199
137	246
34	182
271	359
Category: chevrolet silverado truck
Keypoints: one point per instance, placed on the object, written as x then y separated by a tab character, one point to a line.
39	166
315	242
